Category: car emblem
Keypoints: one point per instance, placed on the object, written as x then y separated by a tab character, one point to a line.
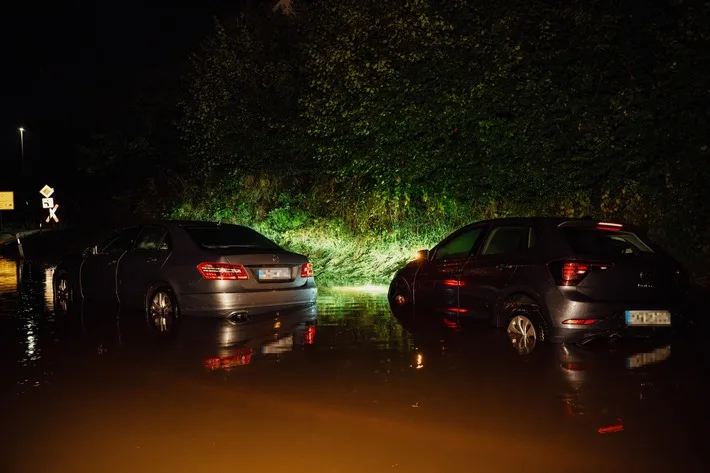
643	277
275	258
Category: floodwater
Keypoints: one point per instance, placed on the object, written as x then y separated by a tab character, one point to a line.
342	387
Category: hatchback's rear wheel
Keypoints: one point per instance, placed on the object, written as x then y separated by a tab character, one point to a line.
525	329
162	310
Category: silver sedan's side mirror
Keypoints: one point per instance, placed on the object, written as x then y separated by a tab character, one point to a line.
92	250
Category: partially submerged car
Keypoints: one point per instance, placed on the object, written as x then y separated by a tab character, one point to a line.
174	268
556	279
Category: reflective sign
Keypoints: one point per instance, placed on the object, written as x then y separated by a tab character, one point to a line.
7	201
46	191
53	214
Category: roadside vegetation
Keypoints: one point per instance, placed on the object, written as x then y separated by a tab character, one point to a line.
358	132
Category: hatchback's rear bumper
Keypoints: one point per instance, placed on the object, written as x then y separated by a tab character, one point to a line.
607	328
226	304
610	321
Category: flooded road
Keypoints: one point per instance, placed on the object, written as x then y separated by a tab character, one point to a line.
342	387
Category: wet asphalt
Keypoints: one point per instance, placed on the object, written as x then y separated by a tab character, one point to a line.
342	387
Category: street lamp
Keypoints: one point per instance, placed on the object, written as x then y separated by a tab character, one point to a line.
22	147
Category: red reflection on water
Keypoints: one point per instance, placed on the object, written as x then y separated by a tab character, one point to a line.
310	335
608	429
451	324
238	357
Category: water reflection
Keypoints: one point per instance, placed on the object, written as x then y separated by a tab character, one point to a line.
8	276
599	386
349	350
359	318
48	289
214	344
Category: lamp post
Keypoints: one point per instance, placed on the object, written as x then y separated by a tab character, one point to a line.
22	147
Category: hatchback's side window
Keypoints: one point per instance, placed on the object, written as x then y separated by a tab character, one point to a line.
458	246
505	240
150	238
123	241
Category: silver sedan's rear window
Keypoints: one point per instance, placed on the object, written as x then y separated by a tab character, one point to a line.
229	236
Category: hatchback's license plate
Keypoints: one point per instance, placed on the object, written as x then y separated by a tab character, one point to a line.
648	318
642	359
270	274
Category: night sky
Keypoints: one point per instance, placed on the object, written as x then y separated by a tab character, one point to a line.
68	67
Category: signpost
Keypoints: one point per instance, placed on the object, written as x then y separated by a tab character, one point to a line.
7	202
48	203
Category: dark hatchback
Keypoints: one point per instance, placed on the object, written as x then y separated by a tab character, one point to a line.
556	279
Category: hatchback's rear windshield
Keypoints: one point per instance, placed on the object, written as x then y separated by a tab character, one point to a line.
229	237
593	241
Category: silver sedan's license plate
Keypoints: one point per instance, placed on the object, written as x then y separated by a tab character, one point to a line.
280	346
270	274
648	318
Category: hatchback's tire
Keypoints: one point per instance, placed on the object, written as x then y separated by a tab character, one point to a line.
525	329
162	312
399	294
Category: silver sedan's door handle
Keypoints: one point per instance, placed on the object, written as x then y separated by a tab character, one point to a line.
504	266
112	262
152	260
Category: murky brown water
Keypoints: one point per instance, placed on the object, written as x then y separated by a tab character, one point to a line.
345	387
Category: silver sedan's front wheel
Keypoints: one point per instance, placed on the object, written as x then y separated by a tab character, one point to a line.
162	311
63	295
522	334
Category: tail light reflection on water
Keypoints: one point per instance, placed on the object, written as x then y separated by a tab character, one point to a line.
310	336
609	429
240	357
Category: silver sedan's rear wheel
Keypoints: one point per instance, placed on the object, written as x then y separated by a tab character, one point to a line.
522	334
162	310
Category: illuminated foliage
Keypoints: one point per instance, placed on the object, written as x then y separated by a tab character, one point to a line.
358	131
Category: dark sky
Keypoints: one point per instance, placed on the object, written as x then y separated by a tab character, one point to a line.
67	66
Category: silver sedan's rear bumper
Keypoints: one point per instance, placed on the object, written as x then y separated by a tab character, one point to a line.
225	304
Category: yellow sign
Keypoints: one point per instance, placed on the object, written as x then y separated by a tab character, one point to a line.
46	191
7	201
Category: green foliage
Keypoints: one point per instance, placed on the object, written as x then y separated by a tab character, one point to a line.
360	131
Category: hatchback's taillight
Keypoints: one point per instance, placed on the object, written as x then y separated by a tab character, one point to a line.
222	271
306	270
571	273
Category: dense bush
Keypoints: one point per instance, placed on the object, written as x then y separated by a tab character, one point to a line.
360	131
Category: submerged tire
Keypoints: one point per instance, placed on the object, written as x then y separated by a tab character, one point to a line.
162	313
525	328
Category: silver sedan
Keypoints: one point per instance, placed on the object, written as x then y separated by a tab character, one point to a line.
175	268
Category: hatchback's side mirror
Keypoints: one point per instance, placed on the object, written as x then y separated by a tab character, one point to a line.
423	255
